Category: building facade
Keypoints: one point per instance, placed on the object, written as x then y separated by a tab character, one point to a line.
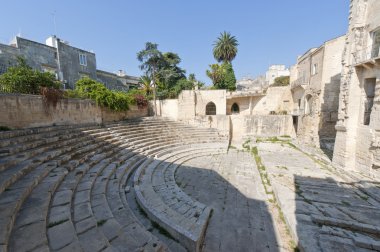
315	85
68	63
357	145
275	71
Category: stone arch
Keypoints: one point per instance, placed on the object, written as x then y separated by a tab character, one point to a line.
210	108
309	104
235	109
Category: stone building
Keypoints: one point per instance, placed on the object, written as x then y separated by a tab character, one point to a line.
315	83
68	63
357	143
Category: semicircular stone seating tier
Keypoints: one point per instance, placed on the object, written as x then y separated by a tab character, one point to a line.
63	188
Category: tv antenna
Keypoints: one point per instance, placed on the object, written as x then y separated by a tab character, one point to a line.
54	22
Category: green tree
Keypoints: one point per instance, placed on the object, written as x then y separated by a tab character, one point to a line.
229	81
23	79
281	81
225	48
151	58
215	74
222	76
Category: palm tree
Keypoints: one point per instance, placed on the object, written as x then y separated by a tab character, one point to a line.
145	84
225	48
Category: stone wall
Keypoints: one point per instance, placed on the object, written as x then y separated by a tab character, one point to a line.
203	97
241	127
25	111
357	145
315	101
166	108
244	127
277	99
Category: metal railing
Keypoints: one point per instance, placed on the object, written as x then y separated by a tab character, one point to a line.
366	54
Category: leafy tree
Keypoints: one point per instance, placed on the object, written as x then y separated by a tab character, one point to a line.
281	81
215	74
222	76
23	79
225	48
151	58
229	77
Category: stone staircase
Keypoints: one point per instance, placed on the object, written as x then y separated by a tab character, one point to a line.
64	188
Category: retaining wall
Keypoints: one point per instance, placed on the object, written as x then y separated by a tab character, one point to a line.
26	111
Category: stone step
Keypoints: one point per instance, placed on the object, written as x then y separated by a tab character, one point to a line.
33	131
25	185
31	141
62	202
171	213
50	147
12	174
160	131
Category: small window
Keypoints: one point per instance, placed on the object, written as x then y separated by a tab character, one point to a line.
83	59
299	103
210	108
315	69
375	44
369	88
235	109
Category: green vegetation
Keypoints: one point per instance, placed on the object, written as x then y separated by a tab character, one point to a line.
163	74
281	81
56	223
101	222
225	48
114	100
223	75
4	128
23	79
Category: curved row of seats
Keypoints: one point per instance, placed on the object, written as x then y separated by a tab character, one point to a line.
63	188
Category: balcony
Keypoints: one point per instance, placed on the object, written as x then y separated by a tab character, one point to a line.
300	82
368	57
298	112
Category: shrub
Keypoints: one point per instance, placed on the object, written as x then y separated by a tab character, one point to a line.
281	81
25	80
114	100
51	96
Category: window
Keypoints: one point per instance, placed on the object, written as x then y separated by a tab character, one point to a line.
83	59
314	70
369	88
299	103
235	109
375	44
210	108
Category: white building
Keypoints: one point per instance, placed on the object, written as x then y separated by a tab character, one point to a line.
275	71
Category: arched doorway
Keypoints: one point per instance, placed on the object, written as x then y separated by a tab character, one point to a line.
210	108
235	109
309	105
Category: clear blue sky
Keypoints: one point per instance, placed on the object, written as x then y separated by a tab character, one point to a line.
268	31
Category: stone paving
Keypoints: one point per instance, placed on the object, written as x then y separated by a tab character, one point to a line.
231	186
326	209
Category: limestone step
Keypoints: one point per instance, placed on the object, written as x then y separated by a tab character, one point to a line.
171	210
63	154
24	188
49	147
